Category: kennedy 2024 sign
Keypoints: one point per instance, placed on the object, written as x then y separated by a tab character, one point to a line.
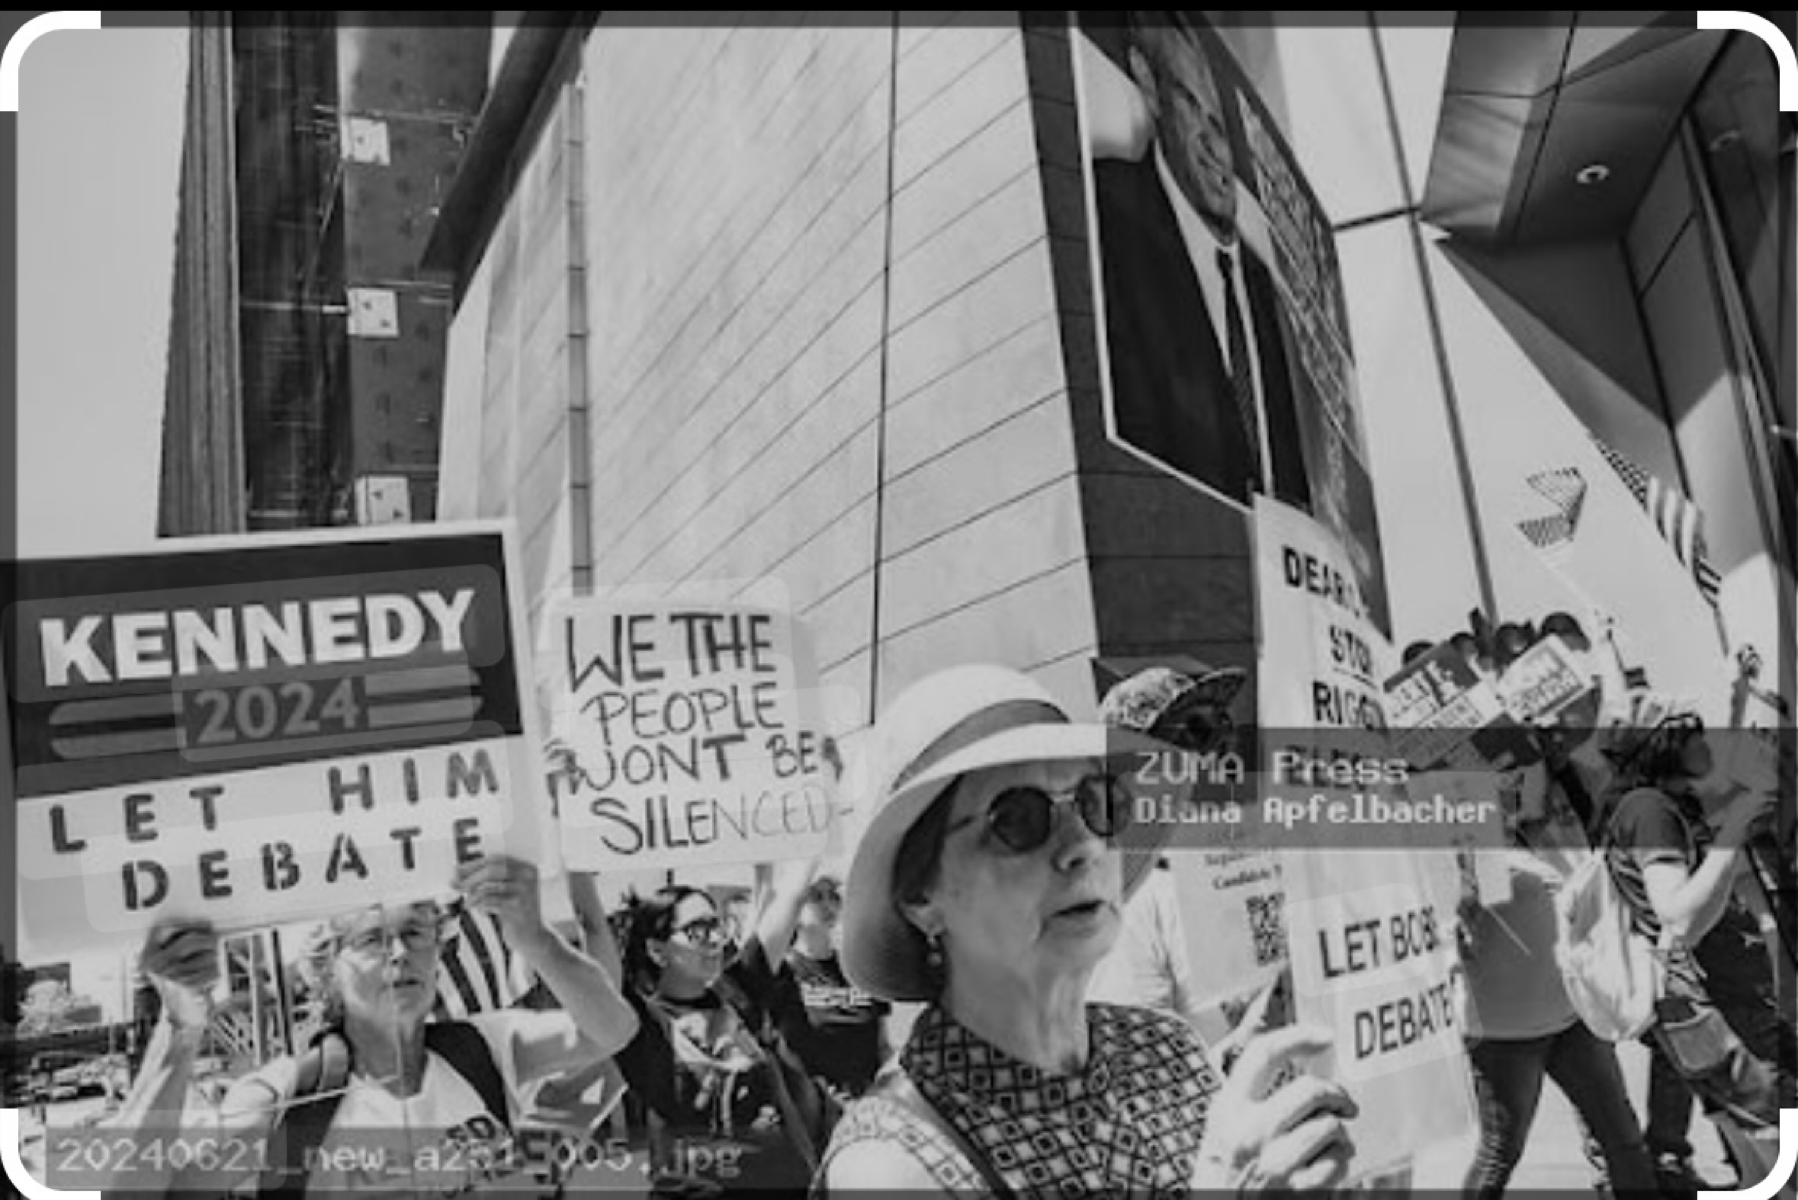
259	729
694	731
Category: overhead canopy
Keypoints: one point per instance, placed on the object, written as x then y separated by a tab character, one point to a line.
1537	101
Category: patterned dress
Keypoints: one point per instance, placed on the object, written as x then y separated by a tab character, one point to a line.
1129	1124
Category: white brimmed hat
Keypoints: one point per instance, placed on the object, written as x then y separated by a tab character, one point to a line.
959	720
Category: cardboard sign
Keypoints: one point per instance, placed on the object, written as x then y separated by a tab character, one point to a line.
1322	658
1371	933
262	729
1542	681
694	732
1437	703
1374	961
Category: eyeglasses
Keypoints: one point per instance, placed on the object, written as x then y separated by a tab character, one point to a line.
414	935
1021	818
702	931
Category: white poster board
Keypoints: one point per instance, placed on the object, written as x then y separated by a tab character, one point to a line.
1369	914
260	729
695	731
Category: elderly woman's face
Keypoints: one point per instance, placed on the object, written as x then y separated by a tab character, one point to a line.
385	968
1025	913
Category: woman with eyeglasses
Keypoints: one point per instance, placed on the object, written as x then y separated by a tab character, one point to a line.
989	885
382	1102
725	1105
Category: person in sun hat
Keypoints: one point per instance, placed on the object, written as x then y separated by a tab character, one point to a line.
973	891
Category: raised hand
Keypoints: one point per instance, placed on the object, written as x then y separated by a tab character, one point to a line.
181	960
508	889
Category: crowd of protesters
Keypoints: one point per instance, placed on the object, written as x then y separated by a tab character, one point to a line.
1050	1041
1625	785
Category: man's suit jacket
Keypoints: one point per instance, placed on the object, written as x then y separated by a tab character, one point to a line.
1171	392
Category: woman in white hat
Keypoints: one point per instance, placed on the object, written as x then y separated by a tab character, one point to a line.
973	891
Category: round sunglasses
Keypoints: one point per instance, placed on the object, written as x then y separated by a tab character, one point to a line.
1021	818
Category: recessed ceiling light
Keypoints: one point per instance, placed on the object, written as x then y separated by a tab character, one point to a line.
1596	173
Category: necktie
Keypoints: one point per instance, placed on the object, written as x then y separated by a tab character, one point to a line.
1242	378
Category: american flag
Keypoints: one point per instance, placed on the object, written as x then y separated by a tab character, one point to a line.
477	971
1675	517
1565	488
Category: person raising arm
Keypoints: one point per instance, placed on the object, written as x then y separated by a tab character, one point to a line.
394	1075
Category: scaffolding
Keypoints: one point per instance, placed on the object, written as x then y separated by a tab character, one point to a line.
290	246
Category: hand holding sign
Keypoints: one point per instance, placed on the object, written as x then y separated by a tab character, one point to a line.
507	888
181	960
1263	1138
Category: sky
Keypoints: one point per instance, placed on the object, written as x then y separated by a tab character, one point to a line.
98	169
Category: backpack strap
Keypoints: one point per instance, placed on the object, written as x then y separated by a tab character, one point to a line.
322	1074
464	1048
320	1077
807	1113
1666	945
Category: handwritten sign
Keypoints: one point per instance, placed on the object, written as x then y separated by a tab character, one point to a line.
1374	960
1370	933
693	732
263	729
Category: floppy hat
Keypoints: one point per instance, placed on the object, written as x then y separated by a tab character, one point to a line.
1150	694
943	726
1142	700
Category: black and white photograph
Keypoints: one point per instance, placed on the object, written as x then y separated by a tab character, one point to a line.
727	604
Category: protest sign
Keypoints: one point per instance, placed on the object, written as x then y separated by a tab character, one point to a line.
1232	909
1371	932
1374	961
694	731
1322	658
261	729
1542	681
1437	704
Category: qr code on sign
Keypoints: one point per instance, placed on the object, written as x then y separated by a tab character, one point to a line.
1267	928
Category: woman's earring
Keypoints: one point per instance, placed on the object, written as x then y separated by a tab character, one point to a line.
936	970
